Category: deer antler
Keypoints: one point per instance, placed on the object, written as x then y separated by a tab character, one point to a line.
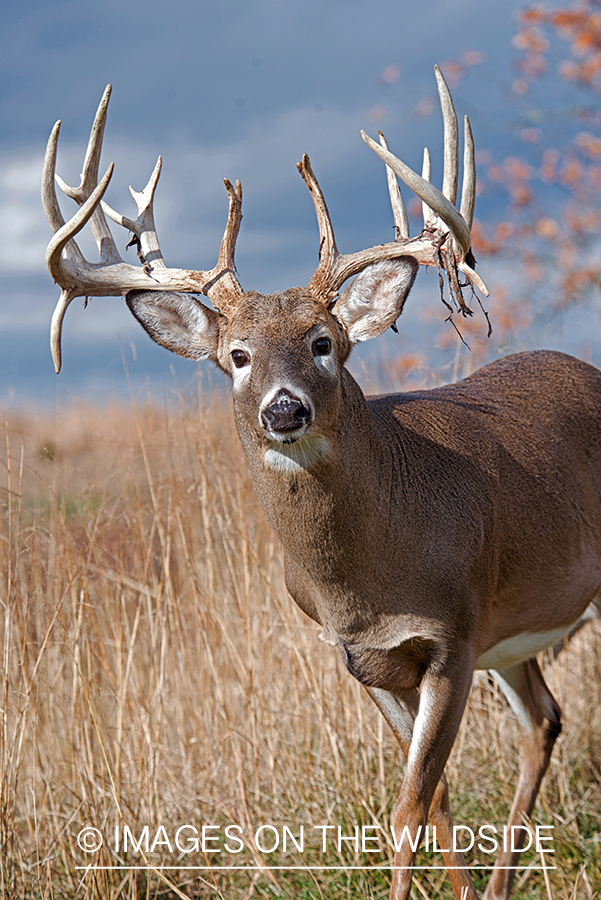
441	217
111	276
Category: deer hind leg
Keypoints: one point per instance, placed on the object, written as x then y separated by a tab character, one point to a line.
400	714
539	717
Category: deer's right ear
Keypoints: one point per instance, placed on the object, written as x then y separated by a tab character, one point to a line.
179	322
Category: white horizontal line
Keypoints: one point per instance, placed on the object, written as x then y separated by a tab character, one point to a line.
302	868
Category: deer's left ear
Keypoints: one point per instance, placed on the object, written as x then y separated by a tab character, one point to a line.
375	299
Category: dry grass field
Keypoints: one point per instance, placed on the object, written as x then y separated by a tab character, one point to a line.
155	673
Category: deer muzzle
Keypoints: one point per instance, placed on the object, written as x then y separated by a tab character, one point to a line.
286	417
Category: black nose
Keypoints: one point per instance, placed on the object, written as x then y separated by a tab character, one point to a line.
285	413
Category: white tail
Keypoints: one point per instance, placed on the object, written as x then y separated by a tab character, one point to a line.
429	533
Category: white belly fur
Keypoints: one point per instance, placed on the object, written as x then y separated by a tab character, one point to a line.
523	646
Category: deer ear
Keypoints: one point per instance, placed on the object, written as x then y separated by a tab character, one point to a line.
178	322
375	299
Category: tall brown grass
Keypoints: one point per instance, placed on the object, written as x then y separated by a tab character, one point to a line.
155	672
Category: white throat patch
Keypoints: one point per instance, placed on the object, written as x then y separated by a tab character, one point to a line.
299	455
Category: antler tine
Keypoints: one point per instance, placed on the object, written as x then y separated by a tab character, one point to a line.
223	286
56	327
91	162
143	226
89	179
52	209
427	214
328	251
399	213
53	212
451	138
468	190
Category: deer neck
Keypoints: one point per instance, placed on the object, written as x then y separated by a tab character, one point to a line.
327	516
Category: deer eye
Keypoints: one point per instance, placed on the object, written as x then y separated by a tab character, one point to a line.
322	346
240	358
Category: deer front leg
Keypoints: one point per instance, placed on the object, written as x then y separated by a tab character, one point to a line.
539	717
425	726
400	712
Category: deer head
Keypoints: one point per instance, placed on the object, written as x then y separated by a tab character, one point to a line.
285	351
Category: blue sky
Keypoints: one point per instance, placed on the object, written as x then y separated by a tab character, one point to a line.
235	89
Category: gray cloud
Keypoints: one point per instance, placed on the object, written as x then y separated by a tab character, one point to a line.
220	88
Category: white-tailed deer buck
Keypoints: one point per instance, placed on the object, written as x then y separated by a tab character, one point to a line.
430	533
